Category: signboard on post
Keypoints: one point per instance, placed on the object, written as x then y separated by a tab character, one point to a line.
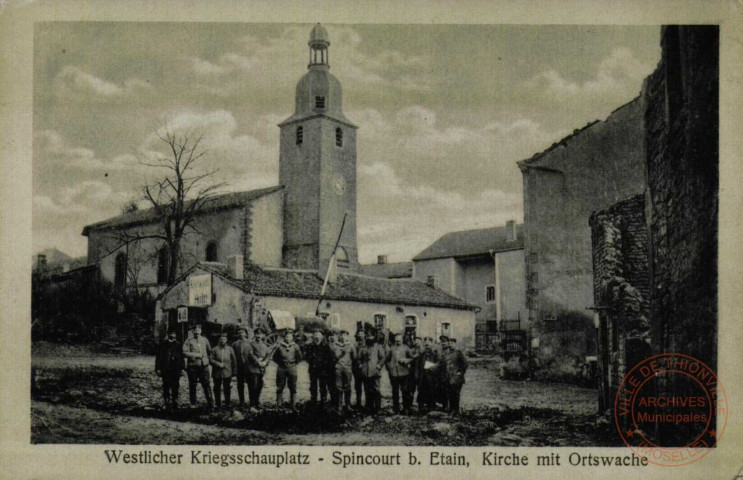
200	290
182	314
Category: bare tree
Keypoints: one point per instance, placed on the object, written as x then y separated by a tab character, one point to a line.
174	200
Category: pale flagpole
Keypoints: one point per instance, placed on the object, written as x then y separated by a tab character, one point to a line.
331	265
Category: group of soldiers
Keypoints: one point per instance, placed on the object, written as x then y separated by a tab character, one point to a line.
336	363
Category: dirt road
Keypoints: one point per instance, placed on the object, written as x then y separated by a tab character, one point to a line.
116	399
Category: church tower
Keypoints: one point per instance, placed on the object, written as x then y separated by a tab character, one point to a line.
317	167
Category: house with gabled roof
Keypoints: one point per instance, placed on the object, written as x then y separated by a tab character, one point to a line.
221	296
486	268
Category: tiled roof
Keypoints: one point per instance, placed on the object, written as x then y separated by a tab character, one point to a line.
307	284
348	287
216	202
388	270
57	267
473	242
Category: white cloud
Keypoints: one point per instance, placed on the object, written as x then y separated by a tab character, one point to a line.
259	63
401	218
457	157
243	161
72	80
58	220
54	151
617	77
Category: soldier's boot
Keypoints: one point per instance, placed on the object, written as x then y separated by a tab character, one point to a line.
217	397
292	406
347	398
279	400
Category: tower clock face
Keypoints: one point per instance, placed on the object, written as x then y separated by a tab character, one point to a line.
339	185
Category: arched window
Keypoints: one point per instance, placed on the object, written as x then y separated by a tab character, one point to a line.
341	257
211	251
120	271
338	137
300	135
163	259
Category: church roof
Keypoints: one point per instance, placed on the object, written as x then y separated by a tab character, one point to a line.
388	270
217	202
468	243
348	287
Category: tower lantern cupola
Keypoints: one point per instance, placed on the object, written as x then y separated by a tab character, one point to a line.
319	44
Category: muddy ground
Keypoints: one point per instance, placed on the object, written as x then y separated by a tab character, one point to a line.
87	397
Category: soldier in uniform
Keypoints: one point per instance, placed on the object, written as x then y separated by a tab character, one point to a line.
358	379
287	355
317	353
169	365
398	361
224	365
428	375
241	347
455	366
413	376
197	351
330	370
371	363
258	359
344	355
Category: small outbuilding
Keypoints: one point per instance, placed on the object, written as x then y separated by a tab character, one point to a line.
211	294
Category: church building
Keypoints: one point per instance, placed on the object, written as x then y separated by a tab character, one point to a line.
270	249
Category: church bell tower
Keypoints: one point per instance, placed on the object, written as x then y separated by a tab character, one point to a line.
317	167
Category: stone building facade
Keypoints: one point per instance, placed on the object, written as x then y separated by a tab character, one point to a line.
682	119
589	170
667	303
242	223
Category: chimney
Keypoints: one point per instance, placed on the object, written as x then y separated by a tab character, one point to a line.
381	259
433	281
235	266
65	267
510	231
41	261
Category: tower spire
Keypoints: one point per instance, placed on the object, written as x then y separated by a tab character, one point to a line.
319	44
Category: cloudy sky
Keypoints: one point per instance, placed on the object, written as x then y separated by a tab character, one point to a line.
444	113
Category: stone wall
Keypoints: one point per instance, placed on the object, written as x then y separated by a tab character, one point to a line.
591	169
621	291
682	168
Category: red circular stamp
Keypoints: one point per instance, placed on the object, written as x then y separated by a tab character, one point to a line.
671	409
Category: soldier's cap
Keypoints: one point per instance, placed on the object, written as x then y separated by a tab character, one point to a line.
453	340
443	338
427	338
172	334
242	329
418	338
223	334
288	331
344	331
360	334
260	331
